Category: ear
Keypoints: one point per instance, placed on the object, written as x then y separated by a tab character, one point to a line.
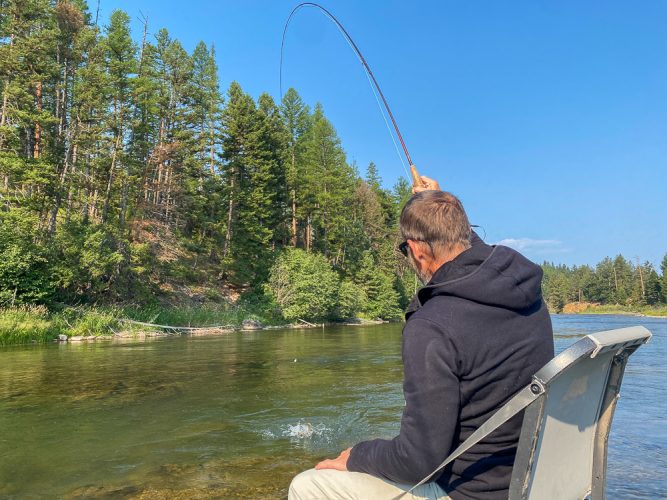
417	251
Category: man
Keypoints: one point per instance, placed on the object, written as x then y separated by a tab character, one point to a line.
474	336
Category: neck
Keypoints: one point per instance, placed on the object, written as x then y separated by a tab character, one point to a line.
446	257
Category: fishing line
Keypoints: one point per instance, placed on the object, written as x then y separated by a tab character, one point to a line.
386	123
369	74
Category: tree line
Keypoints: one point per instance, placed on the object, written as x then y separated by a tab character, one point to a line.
127	176
125	172
617	281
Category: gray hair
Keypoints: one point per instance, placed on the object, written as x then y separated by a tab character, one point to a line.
436	218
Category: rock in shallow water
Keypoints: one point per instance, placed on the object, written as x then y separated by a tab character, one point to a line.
251	324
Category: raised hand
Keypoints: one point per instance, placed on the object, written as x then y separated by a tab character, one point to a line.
427	184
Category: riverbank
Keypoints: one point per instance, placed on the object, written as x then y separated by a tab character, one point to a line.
36	324
592	308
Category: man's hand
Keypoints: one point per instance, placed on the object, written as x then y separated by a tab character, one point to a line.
338	463
427	185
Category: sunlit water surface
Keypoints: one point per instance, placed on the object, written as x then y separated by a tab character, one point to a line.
239	415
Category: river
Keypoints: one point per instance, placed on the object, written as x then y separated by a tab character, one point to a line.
240	414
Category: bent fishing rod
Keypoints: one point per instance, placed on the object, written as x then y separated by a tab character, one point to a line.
416	179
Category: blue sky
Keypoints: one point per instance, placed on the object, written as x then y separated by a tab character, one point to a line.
548	119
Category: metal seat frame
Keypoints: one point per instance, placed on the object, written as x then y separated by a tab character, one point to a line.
569	406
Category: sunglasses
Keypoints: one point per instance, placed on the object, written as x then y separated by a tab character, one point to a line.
403	248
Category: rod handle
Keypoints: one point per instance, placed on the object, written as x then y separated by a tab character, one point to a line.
416	179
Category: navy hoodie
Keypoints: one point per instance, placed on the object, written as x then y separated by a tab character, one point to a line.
474	336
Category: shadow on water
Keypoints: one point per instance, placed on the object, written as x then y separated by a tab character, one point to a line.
239	415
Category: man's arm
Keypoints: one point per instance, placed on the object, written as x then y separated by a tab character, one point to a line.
431	413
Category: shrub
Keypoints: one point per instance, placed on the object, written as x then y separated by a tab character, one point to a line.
351	299
303	285
382	299
24	268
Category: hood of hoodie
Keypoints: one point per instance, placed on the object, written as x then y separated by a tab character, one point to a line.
492	275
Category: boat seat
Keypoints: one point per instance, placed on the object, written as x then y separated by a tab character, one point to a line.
569	406
562	452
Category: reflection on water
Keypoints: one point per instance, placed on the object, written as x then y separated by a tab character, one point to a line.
239	415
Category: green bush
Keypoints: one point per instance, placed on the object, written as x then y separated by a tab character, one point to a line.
382	300
24	269
351	299
303	285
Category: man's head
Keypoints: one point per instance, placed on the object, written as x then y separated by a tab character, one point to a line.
435	228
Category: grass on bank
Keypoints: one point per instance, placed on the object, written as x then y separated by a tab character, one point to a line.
25	324
232	315
36	324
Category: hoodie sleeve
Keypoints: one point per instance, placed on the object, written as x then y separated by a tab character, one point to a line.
430	416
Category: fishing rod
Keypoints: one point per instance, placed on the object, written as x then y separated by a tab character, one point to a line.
416	179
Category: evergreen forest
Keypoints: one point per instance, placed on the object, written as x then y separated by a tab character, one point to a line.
128	177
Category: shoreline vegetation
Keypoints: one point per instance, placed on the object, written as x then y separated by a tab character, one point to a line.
659	311
36	324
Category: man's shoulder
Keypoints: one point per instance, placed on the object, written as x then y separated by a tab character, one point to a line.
440	310
428	318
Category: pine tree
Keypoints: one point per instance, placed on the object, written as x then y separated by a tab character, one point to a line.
121	65
200	201
144	130
71	41
328	188
622	280
253	141
653	285
602	287
29	75
381	297
297	121
372	177
274	141
91	90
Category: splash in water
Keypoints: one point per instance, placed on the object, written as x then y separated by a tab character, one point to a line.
299	431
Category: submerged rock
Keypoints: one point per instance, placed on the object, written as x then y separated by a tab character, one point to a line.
251	324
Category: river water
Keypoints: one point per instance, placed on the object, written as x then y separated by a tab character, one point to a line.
238	415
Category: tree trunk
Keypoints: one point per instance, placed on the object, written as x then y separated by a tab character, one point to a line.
230	217
107	197
38	127
70	188
294	218
5	98
3	113
123	204
56	204
92	212
641	279
309	233
168	175
212	154
294	199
